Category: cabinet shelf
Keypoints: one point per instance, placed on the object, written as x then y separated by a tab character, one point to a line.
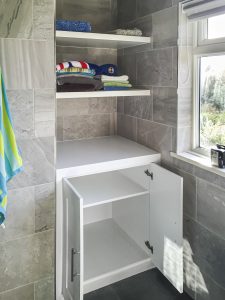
109	250
108	187
101	94
99	40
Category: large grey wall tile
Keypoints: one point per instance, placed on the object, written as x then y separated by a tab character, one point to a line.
189	198
98	13
165	106
208	249
209	290
44	112
86	106
22	108
26	260
120	105
211	207
16	65
126	15
43	19
93	55
44	207
190	269
59	129
127	126
155	67
140	107
210	177
127	66
155	136
44	289
15	18
164	28
145	7
30	66
144	24
22	293
43	63
86	126
20	214
38	163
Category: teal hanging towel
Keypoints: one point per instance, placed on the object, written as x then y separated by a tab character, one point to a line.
10	158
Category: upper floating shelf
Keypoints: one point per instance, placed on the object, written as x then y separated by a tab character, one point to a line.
100	94
99	40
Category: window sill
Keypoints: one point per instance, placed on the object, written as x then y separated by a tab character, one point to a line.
199	161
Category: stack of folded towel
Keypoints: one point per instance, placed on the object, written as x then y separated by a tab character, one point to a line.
115	83
76	76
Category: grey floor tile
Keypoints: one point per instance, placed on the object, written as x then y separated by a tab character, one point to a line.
150	285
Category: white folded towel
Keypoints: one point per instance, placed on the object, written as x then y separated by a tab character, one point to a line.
105	78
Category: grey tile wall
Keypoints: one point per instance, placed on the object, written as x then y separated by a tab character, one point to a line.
102	14
169	128
85	118
27	61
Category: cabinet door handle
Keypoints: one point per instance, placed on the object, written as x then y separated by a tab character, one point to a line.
73	275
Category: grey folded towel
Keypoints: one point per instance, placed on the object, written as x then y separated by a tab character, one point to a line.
78	84
133	32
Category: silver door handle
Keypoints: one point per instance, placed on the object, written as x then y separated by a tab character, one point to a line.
73	275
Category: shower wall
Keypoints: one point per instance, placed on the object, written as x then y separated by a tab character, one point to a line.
27	60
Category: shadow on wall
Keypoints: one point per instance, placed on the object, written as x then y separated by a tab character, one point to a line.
193	277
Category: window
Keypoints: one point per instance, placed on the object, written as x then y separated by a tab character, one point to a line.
216	27
209	74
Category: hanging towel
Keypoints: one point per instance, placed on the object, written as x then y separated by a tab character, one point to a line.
10	159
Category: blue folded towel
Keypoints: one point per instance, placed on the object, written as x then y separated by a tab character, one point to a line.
76	26
108	69
115	88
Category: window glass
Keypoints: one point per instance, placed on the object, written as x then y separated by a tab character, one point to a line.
212	100
216	27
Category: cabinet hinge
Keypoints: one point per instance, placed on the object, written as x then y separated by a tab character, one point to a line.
147	244
149	174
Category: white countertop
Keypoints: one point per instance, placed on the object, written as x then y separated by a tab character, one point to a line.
72	154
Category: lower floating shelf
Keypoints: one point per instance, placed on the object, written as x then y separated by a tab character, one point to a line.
101	94
109	254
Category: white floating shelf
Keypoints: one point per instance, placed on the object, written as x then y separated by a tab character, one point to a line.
107	187
101	94
99	40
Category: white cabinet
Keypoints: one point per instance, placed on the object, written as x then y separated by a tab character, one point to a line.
119	223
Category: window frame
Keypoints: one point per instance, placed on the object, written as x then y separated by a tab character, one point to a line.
202	47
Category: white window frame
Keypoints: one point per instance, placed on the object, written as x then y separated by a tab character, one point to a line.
202	47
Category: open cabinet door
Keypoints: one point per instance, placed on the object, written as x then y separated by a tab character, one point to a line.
72	243
166	224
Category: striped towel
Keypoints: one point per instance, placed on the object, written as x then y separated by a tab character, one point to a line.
10	159
75	70
71	64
